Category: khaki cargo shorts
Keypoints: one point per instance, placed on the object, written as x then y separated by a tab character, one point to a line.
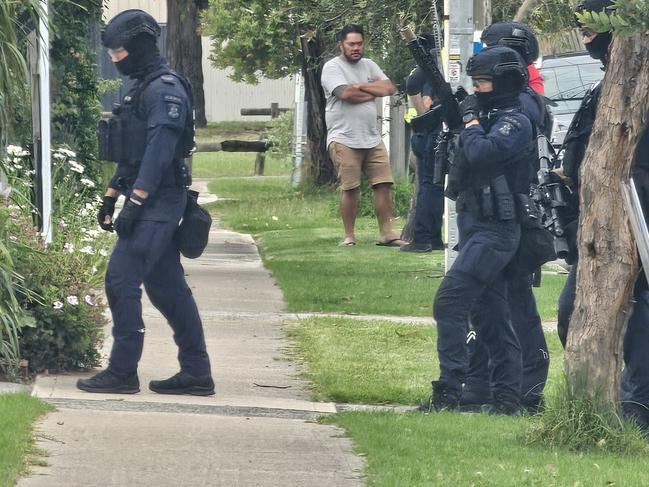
351	163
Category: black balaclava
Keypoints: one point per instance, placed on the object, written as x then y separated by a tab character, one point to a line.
598	47
143	54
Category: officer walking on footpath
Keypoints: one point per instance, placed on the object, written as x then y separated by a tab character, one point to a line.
490	167
429	207
520	297
635	379
156	131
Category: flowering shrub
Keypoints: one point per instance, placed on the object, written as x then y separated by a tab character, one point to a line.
67	274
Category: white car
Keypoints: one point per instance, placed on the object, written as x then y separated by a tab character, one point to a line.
567	79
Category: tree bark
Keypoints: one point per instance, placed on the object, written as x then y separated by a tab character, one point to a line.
608	261
319	168
185	50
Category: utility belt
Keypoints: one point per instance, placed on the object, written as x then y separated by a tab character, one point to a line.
493	201
128	171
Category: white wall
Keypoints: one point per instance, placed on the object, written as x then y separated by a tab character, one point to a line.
223	97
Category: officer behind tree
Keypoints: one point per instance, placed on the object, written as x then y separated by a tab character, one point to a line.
155	118
429	207
522	304
635	380
491	165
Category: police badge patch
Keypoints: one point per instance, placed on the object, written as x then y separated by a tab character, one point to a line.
505	129
173	110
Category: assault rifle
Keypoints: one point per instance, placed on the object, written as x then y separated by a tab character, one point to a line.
549	197
447	110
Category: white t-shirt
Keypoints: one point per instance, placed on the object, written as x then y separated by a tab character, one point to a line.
352	124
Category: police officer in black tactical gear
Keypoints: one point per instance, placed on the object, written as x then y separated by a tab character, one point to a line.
635	379
429	207
148	141
490	167
520	297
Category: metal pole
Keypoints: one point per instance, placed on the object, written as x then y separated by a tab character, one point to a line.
458	39
299	130
44	89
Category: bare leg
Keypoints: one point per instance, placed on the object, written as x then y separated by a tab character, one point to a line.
348	210
384	210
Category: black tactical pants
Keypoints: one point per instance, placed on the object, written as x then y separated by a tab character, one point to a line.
150	256
475	285
529	331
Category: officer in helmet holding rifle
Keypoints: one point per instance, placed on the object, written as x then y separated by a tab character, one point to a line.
148	137
490	167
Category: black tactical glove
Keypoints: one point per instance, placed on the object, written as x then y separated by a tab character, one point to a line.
107	208
470	106
127	218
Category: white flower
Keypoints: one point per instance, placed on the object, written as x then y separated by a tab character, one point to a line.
274	218
66	152
56	155
68	247
13	238
93	271
88	299
14	150
73	300
93	233
87	250
57	305
87	182
62	224
103	253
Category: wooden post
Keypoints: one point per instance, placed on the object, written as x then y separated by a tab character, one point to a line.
260	159
274	110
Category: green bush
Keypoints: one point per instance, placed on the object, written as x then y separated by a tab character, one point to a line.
281	134
65	276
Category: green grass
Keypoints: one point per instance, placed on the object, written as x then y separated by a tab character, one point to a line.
375	362
454	450
298	233
17	415
236	164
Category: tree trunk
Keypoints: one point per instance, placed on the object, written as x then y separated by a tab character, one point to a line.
608	262
319	168
185	51
408	231
523	9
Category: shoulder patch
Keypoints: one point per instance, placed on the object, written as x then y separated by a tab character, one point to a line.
505	129
173	98
512	121
168	78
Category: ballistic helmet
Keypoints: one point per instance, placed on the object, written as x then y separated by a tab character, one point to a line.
597	47
515	35
503	65
126	26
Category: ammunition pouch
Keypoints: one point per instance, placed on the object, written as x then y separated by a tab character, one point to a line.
492	201
109	134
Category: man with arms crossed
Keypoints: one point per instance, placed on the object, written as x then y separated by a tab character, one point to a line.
351	84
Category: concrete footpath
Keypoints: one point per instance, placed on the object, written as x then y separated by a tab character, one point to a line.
257	429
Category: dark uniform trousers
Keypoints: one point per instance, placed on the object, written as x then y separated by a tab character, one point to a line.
529	330
475	288
430	196
150	256
635	378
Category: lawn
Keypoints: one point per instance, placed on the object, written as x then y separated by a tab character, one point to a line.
17	415
475	450
298	233
376	362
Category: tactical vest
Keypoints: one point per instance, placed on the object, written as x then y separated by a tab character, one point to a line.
123	136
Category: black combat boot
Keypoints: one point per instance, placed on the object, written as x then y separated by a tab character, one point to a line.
504	404
443	398
184	383
473	401
109	383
